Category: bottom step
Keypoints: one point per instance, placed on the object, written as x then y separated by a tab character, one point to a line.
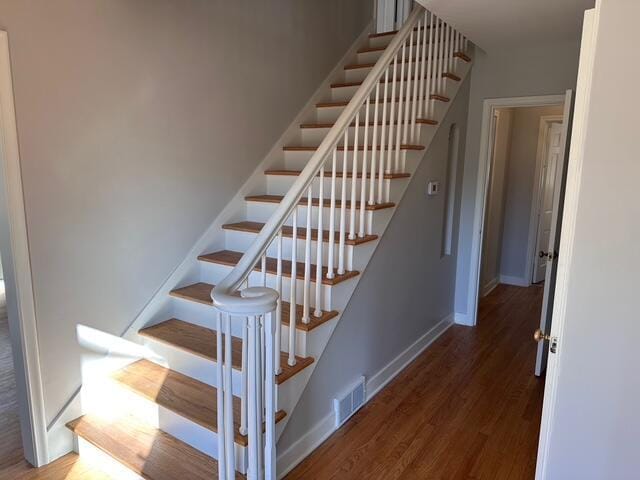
147	451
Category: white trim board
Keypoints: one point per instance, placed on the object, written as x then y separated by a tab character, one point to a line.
17	273
311	440
481	188
517	281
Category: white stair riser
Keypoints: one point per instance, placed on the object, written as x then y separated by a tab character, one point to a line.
313	136
296	160
204	315
280	184
261	211
341	94
372	57
359	74
213	273
331	114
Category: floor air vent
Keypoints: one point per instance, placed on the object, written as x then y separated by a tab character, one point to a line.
348	404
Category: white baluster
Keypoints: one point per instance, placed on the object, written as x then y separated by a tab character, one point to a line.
306	293
392	116
292	295
259	379
244	382
416	81
319	241
430	69
229	449
374	151
439	59
278	367
409	99
383	136
270	399
332	217
450	68
401	100
253	468
343	204
363	183
445	60
222	469
354	182
422	67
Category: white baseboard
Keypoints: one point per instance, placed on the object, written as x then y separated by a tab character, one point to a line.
463	319
516	281
312	439
490	286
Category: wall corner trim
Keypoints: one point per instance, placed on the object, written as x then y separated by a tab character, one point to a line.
312	439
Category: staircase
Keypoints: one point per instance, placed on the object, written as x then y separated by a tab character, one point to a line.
226	366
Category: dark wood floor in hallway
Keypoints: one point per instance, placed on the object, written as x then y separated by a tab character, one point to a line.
468	408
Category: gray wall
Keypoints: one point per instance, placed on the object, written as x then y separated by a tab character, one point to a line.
521	170
405	290
138	121
596	428
538	70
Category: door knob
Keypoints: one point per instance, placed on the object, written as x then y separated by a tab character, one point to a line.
542	254
540	336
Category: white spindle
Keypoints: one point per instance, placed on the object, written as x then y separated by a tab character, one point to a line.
452	33
354	182
292	291
430	69
392	116
259	379
440	58
343	204
407	102
306	293
416	81
445	60
229	449
384	128
374	147
271	352
332	216
422	66
255	424
244	382
363	183
319	241
278	367
401	102
222	469
263	270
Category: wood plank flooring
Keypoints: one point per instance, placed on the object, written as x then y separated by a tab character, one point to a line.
467	408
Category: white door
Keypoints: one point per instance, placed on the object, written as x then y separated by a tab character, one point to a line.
552	253
548	177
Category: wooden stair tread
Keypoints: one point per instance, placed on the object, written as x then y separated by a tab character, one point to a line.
340	148
462	56
231	258
201	293
316	202
329	125
183	395
390	100
287	231
449	75
148	451
295	173
201	341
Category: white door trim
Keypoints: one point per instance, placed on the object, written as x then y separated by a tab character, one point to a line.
489	106
545	125
17	269
567	236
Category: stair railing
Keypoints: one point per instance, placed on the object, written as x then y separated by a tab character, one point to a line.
412	70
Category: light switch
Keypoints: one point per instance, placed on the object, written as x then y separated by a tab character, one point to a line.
433	188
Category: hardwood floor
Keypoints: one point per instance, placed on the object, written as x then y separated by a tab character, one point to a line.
467	408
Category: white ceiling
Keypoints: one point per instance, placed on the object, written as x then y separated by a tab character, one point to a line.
493	24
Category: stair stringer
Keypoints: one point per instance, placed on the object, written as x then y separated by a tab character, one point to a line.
318	339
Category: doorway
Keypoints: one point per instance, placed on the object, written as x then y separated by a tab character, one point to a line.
516	181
